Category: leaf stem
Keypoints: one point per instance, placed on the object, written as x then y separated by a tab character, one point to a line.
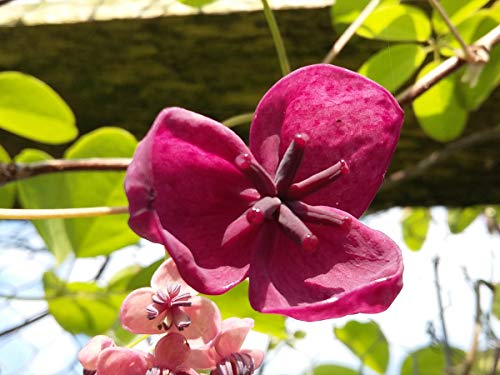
244	118
350	31
278	41
445	341
467	52
137	341
59	213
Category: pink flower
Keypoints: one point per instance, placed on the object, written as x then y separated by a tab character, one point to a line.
102	357
284	211
224	352
170	302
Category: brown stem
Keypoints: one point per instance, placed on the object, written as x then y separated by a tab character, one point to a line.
349	32
18	171
467	53
446	68
26	323
439	156
445	341
471	354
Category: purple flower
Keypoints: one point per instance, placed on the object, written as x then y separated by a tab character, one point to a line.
284	211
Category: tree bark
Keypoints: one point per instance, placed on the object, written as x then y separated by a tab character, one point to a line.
123	72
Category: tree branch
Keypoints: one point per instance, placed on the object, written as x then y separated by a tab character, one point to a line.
439	156
59	213
26	323
446	68
18	171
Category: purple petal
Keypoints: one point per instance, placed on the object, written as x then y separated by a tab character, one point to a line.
197	190
358	270
345	116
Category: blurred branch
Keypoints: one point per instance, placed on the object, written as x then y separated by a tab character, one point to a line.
471	354
350	31
4	2
445	342
18	171
26	323
485	43
59	213
438	156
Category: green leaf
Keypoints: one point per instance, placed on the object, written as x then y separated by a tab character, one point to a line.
197	3
429	361
367	342
31	109
438	110
235	304
394	22
415	226
46	191
85	237
471	29
393	66
461	218
333	370
7	192
346	11
457	11
81	307
104	234
489	79
133	277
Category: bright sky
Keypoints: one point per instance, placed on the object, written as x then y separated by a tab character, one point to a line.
404	324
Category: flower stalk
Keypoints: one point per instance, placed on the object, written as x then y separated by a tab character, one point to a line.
59	213
278	40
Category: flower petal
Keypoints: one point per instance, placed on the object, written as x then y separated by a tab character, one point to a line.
167	274
171	351
89	354
198	190
133	314
257	356
233	333
345	115
205	322
351	271
114	361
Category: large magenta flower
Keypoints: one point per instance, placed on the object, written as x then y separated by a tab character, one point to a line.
284	211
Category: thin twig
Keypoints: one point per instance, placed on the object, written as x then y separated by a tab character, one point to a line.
59	213
467	52
350	31
5	2
26	323
471	354
445	341
18	171
278	40
446	68
244	118
439	156
495	360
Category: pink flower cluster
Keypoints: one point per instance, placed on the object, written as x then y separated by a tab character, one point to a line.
194	336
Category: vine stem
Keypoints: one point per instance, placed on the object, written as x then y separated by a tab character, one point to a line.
446	68
439	8
349	32
137	341
18	171
445	341
278	41
59	213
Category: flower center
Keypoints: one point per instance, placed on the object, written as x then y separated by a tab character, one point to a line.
167	303
281	197
235	364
